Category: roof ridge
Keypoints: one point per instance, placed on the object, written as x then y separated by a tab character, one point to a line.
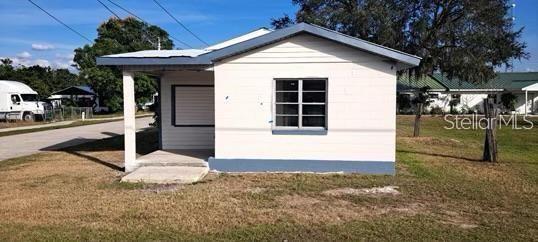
359	39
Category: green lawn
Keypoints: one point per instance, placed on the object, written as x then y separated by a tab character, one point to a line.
446	194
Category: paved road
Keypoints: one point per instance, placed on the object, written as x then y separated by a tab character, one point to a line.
30	143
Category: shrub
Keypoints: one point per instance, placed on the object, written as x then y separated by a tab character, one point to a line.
436	111
509	101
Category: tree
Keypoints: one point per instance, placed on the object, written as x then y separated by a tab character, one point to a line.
421	101
282	22
509	101
464	39
44	80
119	36
455	101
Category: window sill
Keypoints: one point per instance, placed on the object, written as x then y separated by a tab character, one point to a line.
299	131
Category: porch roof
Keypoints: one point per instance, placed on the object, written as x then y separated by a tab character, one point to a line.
249	42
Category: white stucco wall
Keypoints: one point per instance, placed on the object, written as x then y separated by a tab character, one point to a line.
361	103
183	137
470	101
532	97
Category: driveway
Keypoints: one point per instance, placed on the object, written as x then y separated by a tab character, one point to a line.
30	143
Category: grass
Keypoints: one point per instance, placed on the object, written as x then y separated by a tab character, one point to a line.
446	194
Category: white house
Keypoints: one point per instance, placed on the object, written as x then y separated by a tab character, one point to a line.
303	98
523	85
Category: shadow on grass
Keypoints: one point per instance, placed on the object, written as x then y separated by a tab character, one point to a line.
98	161
439	155
146	142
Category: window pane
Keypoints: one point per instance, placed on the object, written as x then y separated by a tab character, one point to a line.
316	121
282	85
314	109
287	109
314	85
313	97
287	121
287	97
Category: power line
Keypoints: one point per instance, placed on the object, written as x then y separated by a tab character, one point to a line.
110	10
139	18
60	21
129	12
179	22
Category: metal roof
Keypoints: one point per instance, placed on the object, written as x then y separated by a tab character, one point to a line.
504	81
405	60
75	90
159	53
407	83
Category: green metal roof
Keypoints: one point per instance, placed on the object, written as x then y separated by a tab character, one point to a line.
515	80
508	81
411	83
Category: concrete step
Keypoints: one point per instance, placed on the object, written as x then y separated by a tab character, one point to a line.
166	175
142	163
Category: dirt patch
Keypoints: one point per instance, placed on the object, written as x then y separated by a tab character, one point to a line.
297	201
431	141
308	210
256	190
386	190
456	219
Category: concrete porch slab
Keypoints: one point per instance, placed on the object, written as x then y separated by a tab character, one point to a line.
191	158
166	174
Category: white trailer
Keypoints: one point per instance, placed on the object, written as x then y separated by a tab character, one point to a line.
19	101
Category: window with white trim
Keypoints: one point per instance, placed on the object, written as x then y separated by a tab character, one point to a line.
300	104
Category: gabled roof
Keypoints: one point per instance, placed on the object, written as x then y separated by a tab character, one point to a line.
259	40
75	90
250	35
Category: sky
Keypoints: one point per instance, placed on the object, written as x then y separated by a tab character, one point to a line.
28	36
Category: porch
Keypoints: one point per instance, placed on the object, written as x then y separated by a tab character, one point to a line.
186	128
170	166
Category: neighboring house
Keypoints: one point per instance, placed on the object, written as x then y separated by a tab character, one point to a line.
407	88
303	98
80	96
524	85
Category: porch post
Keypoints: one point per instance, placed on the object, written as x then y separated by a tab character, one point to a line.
129	121
526	101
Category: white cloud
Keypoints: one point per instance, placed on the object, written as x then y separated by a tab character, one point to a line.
529	69
24	55
42	47
41	62
65	56
60	61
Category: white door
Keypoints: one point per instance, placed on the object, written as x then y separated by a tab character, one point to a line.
15	103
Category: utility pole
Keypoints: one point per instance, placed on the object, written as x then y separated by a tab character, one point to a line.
513	18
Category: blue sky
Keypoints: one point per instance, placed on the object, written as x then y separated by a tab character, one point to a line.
31	37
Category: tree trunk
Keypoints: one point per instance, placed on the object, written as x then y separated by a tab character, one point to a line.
418	114
490	142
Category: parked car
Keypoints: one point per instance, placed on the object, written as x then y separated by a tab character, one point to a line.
19	102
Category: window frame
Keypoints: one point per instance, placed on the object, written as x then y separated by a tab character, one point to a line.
300	129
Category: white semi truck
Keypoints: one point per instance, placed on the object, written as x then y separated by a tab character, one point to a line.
19	101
